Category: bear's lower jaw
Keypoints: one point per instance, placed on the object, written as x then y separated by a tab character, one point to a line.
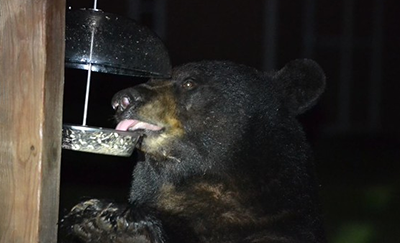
142	130
154	140
156	145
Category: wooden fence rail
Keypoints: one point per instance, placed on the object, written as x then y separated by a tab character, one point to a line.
31	90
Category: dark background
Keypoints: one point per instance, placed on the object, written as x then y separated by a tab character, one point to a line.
354	129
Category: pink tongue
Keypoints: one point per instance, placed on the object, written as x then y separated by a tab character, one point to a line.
125	124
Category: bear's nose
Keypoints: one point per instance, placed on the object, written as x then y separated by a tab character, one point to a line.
125	101
125	98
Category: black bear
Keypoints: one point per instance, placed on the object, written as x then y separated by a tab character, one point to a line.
225	159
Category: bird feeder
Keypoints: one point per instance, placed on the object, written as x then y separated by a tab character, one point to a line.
103	42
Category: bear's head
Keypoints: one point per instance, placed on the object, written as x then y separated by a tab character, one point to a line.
216	117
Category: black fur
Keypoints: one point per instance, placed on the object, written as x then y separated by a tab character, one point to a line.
230	165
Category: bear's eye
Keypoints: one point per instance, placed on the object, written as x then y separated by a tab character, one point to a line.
189	84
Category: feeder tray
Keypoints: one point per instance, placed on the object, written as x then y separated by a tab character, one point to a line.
98	140
108	43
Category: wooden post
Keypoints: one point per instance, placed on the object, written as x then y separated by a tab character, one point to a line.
31	89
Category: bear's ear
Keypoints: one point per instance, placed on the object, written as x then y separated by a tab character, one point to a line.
300	83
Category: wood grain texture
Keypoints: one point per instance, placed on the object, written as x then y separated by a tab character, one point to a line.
31	90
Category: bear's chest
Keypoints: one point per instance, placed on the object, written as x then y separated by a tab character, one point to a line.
206	205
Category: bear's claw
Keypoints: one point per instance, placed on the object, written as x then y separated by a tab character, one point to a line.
99	221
